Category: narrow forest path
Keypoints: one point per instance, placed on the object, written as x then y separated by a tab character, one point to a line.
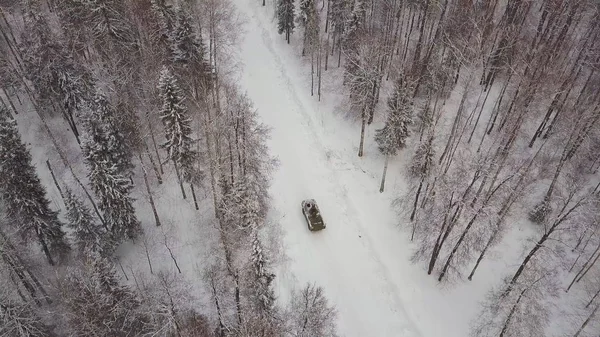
342	258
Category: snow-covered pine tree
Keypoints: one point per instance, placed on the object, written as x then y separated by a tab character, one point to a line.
89	236
400	116
246	207
97	305
392	137
184	45
422	161
285	18
60	84
339	13
262	277
102	156
188	53
354	28
178	130
26	204
309	20
262	315
118	151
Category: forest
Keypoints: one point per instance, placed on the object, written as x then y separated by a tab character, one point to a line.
135	170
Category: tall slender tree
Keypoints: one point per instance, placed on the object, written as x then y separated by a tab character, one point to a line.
25	197
392	137
102	156
89	236
285	18
178	130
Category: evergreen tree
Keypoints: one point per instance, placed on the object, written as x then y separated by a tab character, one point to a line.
102	155
339	14
285	18
262	278
26	204
244	205
309	19
422	162
392	137
90	237
178	130
117	148
188	52
354	28
61	84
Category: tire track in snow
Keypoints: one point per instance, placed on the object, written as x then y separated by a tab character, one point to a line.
390	296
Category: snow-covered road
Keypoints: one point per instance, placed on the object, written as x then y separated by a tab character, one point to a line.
342	258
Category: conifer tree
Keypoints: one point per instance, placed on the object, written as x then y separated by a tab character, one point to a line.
26	204
354	28
262	315
103	154
90	237
262	278
309	19
117	148
60	84
178	130
338	15
285	18
392	137
188	53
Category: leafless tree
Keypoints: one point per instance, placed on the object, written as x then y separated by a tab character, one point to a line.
310	313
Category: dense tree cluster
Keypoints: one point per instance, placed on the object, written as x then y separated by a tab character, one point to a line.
144	97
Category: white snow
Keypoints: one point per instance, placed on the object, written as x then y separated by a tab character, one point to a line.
362	257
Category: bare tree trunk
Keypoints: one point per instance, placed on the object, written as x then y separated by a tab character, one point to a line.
593	298
478	117
153	163
54	178
444	232
312	71
165	242
213	286
362	131
584	267
145	243
179	179
238	303
14	109
414	211
385	167
319	68
155	147
122	269
150	197
511	313
587	320
194	196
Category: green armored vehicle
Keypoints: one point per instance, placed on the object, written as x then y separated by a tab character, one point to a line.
312	215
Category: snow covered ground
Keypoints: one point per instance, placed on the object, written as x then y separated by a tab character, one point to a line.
362	258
